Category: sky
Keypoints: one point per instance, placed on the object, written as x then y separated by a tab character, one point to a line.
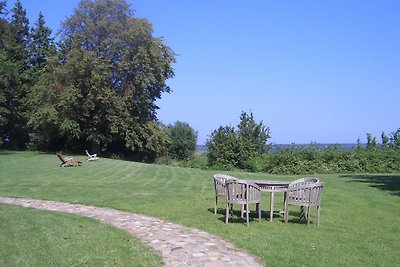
312	71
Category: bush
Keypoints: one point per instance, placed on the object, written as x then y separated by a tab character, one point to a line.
183	141
238	148
331	160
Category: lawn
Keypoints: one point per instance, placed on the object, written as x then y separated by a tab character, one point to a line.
360	214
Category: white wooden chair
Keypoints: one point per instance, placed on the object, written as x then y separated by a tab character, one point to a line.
91	157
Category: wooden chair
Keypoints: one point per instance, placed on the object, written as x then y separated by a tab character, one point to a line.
68	162
91	157
306	193
243	193
220	187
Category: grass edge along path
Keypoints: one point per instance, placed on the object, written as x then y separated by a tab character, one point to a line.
179	245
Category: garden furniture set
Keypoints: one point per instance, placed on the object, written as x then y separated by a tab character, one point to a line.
305	192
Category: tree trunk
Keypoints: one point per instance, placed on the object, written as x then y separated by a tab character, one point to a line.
95	148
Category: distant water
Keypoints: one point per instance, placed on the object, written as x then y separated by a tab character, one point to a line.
274	147
201	148
344	147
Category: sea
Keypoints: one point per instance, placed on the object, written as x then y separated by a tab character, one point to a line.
275	147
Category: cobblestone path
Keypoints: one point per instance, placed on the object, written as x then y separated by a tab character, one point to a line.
178	245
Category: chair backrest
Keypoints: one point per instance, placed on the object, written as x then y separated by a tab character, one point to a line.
307	180
305	192
61	157
241	192
219	183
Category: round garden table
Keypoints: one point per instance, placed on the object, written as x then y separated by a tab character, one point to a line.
271	186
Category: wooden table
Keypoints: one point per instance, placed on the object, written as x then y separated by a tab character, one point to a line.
271	187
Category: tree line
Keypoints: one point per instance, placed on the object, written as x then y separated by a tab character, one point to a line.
95	87
246	147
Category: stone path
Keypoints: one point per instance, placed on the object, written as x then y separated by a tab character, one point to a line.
179	245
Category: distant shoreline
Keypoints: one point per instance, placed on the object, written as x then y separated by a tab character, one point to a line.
274	147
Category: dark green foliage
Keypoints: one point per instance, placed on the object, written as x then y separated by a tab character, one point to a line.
371	142
395	139
183	140
154	141
138	63
13	76
222	147
97	91
374	158
8	68
117	70
252	139
385	140
238	148
20	26
41	48
294	160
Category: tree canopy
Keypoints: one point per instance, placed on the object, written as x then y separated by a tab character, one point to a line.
98	85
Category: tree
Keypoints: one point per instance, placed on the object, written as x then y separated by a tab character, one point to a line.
112	72
223	147
20	26
385	140
13	57
43	130
7	70
183	140
228	146
359	145
41	47
252	137
371	141
395	139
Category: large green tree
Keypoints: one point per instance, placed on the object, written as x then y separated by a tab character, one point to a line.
20	26
113	70
13	75
7	69
40	48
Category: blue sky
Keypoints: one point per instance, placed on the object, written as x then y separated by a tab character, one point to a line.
313	71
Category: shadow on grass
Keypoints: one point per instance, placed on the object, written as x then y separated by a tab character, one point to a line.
6	152
297	217
385	182
236	218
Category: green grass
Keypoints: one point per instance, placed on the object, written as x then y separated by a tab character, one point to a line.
360	214
30	237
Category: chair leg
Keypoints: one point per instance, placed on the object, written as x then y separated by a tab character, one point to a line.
318	215
227	213
259	212
216	205
286	212
308	214
303	213
247	214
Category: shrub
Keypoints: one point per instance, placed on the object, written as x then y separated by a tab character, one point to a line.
183	141
238	148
